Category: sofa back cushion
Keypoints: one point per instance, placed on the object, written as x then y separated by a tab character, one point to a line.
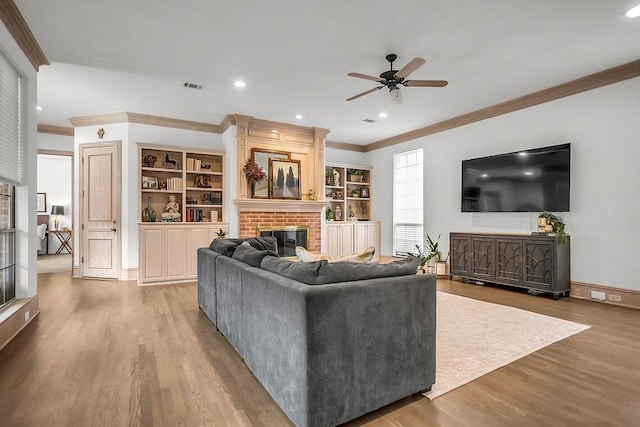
305	272
250	255
227	247
323	272
349	271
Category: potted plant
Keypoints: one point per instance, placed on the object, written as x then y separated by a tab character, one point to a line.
221	233
329	214
553	224
329	178
421	256
355	175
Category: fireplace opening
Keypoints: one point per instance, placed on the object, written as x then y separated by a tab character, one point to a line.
287	237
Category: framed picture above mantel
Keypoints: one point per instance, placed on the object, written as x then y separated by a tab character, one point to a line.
260	190
284	179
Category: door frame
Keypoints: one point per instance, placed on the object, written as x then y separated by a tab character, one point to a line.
82	218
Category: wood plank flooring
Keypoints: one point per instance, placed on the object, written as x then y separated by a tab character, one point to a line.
111	353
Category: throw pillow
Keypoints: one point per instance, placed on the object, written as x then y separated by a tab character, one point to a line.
224	247
364	256
250	255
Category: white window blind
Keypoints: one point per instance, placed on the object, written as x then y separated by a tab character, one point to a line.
10	143
407	201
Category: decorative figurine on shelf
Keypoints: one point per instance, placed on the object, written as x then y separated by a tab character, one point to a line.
162	185
170	164
202	181
311	195
352	216
336	178
338	213
171	210
149	160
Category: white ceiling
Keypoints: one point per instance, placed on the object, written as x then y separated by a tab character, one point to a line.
134	55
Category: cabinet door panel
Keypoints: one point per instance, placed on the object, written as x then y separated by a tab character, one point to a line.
176	253
482	259
361	237
346	240
333	241
197	237
373	235
152	254
460	252
509	260
539	264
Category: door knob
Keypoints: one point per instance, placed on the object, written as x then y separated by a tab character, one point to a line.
113	229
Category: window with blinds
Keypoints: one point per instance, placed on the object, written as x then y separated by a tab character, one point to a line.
407	202
11	161
7	244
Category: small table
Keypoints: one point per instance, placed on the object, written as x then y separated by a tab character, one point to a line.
64	236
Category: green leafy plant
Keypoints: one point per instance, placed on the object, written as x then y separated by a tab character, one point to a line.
221	233
557	223
329	214
433	248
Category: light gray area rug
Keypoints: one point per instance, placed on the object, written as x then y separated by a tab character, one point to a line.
54	263
476	337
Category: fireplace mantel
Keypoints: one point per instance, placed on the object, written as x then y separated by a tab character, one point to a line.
278	205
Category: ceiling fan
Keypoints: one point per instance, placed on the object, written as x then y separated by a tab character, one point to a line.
393	79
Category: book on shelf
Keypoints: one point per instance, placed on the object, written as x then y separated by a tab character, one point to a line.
194	215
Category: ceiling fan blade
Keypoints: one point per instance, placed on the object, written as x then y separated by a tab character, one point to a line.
364	76
426	83
366	92
413	65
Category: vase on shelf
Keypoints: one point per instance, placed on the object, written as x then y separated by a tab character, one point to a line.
148	213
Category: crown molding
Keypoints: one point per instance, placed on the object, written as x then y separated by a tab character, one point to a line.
55	130
345	146
583	84
18	28
228	121
145	119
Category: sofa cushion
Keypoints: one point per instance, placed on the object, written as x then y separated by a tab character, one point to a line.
250	255
349	271
228	246
305	272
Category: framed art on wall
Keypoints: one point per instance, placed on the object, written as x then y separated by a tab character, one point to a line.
284	179
260	190
41	202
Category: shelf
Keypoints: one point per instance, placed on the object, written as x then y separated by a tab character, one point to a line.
204	172
334	200
202	206
357	183
358	198
203	189
177	171
333	187
146	190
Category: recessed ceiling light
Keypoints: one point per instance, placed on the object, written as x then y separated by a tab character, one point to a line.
382	115
634	12
239	83
39	108
298	116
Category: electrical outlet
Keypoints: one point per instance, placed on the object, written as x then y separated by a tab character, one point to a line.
615	298
598	295
26	316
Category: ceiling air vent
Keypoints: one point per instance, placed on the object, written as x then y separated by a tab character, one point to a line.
368	120
193	86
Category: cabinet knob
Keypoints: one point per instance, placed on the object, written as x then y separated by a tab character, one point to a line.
113	229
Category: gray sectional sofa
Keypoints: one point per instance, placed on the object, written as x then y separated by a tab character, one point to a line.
328	341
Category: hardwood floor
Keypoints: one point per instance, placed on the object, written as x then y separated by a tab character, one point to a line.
112	353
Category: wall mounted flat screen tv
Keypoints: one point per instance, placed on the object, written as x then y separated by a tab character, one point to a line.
524	181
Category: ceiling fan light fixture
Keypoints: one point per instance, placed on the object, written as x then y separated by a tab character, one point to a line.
634	12
396	96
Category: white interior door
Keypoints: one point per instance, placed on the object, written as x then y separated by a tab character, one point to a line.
101	210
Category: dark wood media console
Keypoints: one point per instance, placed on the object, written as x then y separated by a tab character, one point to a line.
537	263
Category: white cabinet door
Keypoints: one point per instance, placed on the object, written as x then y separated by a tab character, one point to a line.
345	239
333	241
367	234
176	250
198	236
151	254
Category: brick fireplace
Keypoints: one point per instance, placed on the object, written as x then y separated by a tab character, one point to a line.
255	214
